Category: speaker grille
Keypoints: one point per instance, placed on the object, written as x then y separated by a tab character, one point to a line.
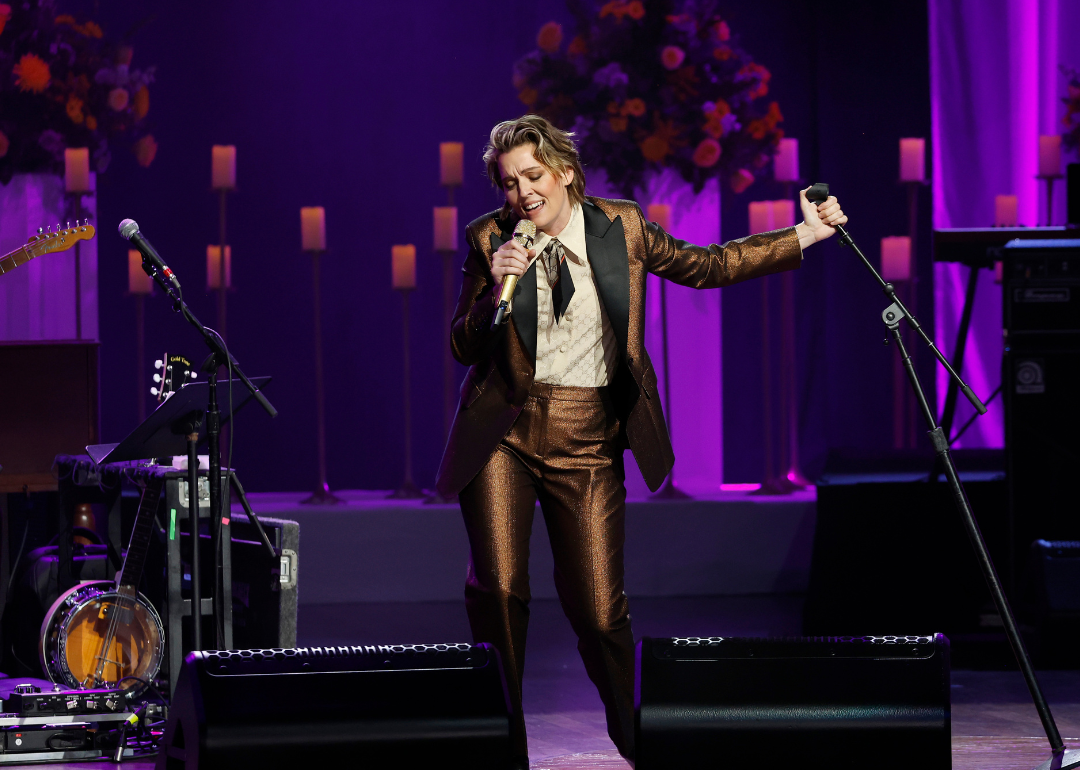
709	641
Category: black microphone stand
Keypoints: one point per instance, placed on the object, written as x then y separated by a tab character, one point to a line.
219	356
1061	758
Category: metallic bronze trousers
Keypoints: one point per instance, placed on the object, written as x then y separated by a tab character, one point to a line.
564	450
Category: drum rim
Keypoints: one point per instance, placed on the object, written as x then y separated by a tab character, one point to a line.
106	586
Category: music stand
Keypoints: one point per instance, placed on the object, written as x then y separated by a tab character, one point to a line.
164	432
173	429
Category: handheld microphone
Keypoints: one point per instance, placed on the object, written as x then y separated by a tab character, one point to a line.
525	234
129	231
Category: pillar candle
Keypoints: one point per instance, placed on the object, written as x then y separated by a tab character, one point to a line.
661	214
451	163
446	232
77	169
313	228
404	266
1005	208
138	281
1050	155
786	161
213	267
223	167
912	160
783	214
896	258
761	214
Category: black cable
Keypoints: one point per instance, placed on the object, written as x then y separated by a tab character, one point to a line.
19	555
146	684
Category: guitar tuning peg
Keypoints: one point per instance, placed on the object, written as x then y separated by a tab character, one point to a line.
158	363
157	378
69	224
154	391
40	230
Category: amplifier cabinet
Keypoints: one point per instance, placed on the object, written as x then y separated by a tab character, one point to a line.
874	701
401	706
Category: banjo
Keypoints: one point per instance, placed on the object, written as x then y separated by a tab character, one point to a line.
99	633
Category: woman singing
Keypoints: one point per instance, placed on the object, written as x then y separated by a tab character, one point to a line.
554	395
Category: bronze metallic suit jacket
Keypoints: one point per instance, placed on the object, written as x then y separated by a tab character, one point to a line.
622	249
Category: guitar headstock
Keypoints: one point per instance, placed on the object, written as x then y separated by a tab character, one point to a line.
177	372
59	240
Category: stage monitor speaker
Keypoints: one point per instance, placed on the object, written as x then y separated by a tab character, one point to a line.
401	706
872	701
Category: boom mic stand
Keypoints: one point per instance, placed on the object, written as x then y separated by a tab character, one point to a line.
219	356
1061	758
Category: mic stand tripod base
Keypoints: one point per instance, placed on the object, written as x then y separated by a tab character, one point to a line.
1067	760
322	496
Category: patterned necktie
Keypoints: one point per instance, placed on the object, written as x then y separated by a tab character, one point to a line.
558	275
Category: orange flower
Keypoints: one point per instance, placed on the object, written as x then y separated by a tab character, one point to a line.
5	16
619	8
74	109
714	123
32	74
707	153
5	144
672	56
91	122
124	54
655	148
90	29
141	103
64	18
577	47
723	53
118	99
618	124
722	31
549	38
635	107
757	129
528	96
145	150
741	179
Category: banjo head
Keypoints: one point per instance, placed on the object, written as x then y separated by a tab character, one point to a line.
87	617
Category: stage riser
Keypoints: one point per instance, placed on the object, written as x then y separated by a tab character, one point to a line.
377	551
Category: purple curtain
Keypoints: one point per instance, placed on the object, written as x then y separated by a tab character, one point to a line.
995	87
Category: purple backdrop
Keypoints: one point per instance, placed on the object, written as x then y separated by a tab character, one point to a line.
996	87
343	105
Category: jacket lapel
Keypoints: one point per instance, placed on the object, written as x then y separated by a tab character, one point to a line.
605	242
524	313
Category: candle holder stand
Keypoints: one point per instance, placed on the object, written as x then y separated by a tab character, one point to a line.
140	355
408	489
450	395
75	209
789	438
1049	179
322	494
223	284
670	489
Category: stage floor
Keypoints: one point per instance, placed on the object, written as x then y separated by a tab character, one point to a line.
994	723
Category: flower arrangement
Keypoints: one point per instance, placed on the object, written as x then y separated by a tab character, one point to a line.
647	85
63	85
1071	121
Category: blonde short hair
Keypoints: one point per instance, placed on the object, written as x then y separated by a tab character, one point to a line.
555	149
